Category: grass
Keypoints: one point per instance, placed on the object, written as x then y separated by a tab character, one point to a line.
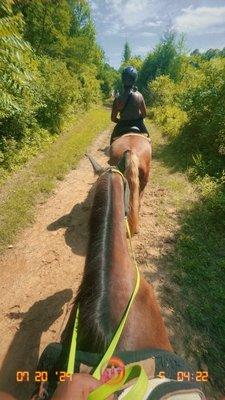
194	265
22	190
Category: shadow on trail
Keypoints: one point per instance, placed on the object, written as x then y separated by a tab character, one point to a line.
23	352
193	276
76	224
175	154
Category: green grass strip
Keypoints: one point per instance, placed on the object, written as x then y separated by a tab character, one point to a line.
193	265
21	191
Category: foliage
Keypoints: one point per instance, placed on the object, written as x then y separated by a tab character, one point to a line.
209	54
60	91
14	57
193	262
51	66
164	60
20	194
196	106
170	117
126	53
108	77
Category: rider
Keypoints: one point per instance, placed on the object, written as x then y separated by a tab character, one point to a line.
131	106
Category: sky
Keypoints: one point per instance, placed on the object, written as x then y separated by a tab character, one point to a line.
142	23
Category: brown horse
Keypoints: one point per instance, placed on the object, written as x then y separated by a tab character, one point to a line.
108	281
137	151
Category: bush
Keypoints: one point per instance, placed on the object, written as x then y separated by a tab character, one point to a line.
213	193
90	86
166	59
60	92
42	85
194	109
170	117
18	72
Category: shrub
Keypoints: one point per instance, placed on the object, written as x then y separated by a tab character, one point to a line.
60	91
170	117
194	109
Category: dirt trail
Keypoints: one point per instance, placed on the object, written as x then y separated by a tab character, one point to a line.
41	272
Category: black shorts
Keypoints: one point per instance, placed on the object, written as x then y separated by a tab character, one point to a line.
123	127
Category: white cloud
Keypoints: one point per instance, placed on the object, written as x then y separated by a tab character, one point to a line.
142	50
113	28
201	20
130	13
148	34
153	23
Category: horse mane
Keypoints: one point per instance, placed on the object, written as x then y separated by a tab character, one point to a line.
94	324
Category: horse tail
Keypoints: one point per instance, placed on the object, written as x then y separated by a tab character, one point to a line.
132	175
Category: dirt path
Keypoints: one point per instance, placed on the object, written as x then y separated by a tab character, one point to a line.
41	272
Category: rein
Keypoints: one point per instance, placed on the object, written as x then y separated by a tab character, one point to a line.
130	372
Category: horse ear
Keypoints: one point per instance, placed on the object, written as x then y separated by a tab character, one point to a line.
98	170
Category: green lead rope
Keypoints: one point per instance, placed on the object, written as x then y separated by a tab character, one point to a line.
73	346
139	388
109	352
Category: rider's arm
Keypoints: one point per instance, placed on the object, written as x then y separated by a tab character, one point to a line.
143	108
114	112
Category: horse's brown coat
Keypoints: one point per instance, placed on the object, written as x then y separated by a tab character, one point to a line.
138	166
107	284
145	327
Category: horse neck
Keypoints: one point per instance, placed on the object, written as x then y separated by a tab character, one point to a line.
107	267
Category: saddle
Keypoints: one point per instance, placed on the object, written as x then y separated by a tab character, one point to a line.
133	129
131	133
156	362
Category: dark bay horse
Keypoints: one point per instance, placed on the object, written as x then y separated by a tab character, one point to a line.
108	280
137	151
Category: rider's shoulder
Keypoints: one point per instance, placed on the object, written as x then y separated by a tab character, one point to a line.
137	94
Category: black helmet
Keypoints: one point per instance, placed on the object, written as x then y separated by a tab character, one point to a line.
129	76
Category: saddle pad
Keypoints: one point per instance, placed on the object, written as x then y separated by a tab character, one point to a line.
164	361
183	391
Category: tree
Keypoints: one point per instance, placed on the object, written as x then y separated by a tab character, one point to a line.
15	74
195	52
108	77
211	53
126	53
61	29
222	53
164	60
47	25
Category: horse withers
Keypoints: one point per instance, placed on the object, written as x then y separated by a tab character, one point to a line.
135	151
